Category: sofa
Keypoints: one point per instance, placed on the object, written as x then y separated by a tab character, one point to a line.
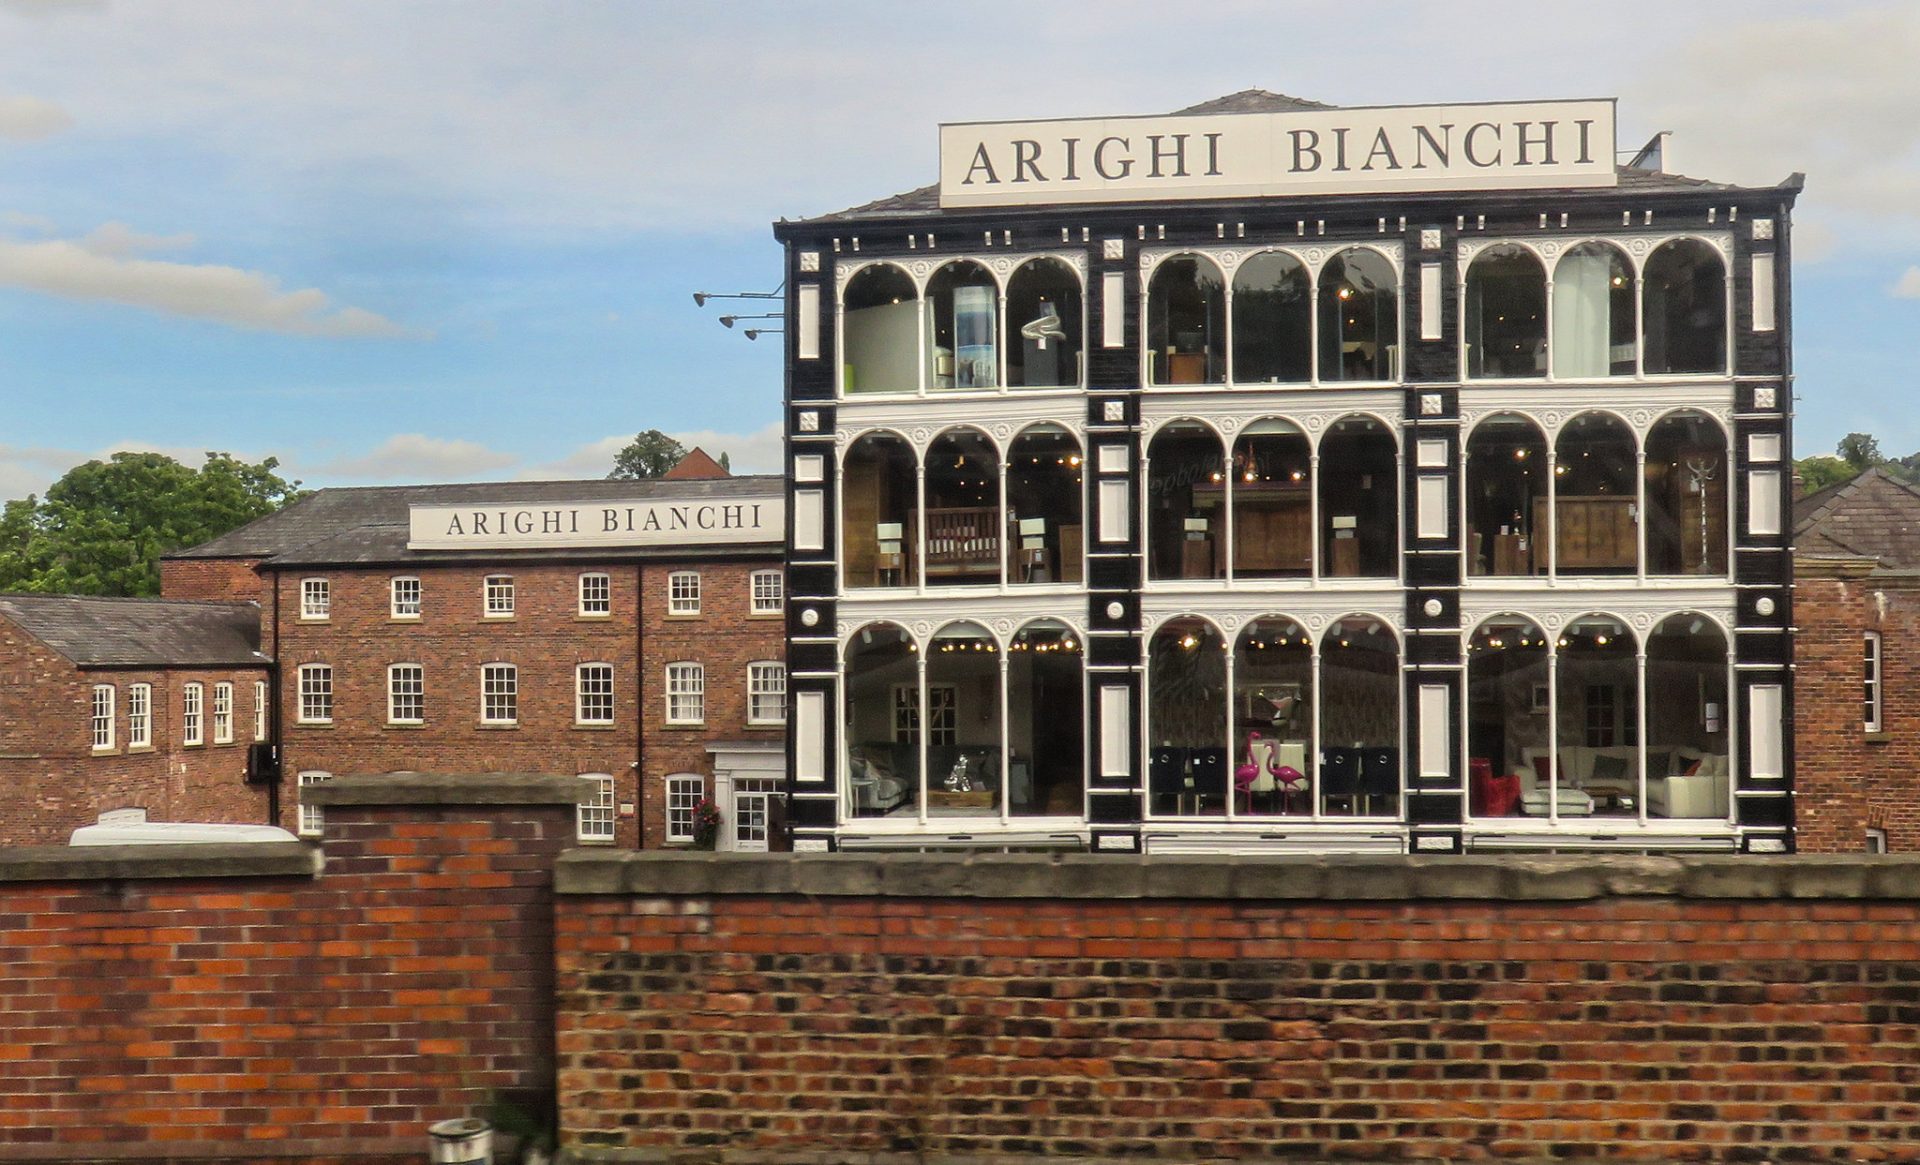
885	775
1683	782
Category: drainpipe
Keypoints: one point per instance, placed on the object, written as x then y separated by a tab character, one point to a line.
273	706
639	709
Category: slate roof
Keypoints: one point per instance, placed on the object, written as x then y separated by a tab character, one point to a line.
368	524
110	632
925	200
1875	515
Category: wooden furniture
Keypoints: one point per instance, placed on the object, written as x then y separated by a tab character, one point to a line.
1512	554
1272	525
964	542
1345	558
1196	557
1186	368
1071	553
1593	532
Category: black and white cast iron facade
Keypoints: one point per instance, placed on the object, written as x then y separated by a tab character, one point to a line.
1271	477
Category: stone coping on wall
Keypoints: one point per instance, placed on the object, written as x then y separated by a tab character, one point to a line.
237	859
449	789
1373	878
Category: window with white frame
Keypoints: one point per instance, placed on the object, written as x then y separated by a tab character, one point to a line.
310	815
223	713
192	710
1870	706
686	693
769	592
498	596
1877	841
259	709
595	822
316	598
943	722
499	694
596	594
683	592
102	717
593	693
406	693
685	791
403	598
766	693
140	716
316	693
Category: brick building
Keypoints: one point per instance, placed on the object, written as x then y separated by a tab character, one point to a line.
128	704
626	631
1857	678
1271	477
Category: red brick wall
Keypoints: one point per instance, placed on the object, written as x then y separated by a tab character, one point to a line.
1625	1028
211	578
1846	779
545	639
724	637
52	780
284	1017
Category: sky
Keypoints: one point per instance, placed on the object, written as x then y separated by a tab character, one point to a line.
406	241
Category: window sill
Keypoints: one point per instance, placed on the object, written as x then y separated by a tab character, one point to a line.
223	744
405	725
506	618
592	616
1879	738
403	618
106	750
684	725
309	620
595	726
766	724
313	724
681	616
134	749
498	725
766	614
193	744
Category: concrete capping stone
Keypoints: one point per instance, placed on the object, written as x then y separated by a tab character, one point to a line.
450	789
1366	877
92	863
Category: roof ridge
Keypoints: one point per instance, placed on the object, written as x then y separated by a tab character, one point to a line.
7	596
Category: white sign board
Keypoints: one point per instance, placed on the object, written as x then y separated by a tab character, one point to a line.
1388	149
669	522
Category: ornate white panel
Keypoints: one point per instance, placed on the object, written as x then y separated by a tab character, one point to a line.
924	615
1314	255
1314	610
921	420
1640	404
1637	245
1640	608
922	267
1313	409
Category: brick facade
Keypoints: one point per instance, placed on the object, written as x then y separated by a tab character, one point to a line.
55	781
211	578
1851	779
546	639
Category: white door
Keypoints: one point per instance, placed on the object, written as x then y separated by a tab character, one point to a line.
750	798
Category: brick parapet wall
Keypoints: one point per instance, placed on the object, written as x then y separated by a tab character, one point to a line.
222	1003
818	1007
212	578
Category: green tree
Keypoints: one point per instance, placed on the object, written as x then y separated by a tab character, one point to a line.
1817	473
649	454
101	529
1860	450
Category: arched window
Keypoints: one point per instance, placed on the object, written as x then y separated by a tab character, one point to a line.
1359	500
1359	317
1686	495
1187	766
1186	493
1594	324
1686	308
1360	718
1273	713
964	774
877	500
1046	768
964	302
1596	504
885	722
880	332
1687	728
1272	320
1044	325
962	528
1595	768
1186	322
1507	714
1506	313
1272	489
1043	500
1506	497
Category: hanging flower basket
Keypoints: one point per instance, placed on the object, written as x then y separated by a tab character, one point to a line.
706	824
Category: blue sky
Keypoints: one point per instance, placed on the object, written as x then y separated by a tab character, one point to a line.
412	241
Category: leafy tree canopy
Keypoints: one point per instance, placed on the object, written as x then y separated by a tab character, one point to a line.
649	454
1860	450
102	528
1817	473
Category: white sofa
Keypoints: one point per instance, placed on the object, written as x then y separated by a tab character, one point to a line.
1703	794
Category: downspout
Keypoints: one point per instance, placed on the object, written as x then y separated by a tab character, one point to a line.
273	705
640	708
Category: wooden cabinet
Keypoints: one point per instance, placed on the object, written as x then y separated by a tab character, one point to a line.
1595	532
1272	529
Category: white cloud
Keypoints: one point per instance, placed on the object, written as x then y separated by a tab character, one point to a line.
26	119
407	458
1908	286
102	267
